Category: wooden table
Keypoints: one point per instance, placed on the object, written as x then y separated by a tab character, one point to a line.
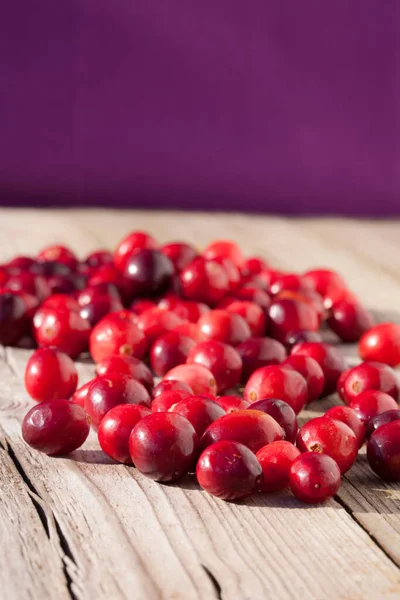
82	527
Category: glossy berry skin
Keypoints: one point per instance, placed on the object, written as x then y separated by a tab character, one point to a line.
108	274
228	470
117	333
372	403
382	344
167	400
221	359
100	307
309	297
185	309
31	284
62	329
116	427
277	382
350	320
259	352
252	428
191	330
253	314
56	427
50	375
225	327
163	446
253	266
198	378
59	254
232	403
329	358
312	373
127	365
298	337
224	249
149	273
349	417
61	302
327	436
204	281
168	351
292	282
135	241
108	391
171	385
283	414
155	322
291	315
314	477
325	280
383	451
276	460
251	293
180	254
368	376
80	395
14	320
199	411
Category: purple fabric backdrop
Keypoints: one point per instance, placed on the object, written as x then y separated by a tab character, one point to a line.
288	106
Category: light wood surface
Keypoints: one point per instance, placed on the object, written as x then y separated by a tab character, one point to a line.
84	527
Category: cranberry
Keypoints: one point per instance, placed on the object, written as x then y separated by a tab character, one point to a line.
328	357
127	365
266	278
59	254
232	273
228	470
140	306
156	321
337	296
252	314
117	334
50	375
51	268
350	321
63	329
381	419
180	254
221	359
253	266
108	274
149	273
204	281
3	275
80	395
191	330
314	477
224	249
291	315
276	460
312	373
199	411
382	344
283	414
22	263
252	428
108	391
253	294
224	326
61	302
163	446
55	427
277	382
189	311
92	293
97	259
292	282
349	417
99	308
199	378
135	241
170	350
14	318
371	403
310	297
328	436
171	385
259	352
232	403
325	280
368	376
298	337
166	400
30	283
116	427
383	451
340	384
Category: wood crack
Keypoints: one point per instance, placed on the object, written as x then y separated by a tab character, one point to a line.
214	581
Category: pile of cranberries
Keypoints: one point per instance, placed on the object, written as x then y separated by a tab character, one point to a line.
238	349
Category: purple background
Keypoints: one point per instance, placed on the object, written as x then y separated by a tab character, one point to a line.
284	106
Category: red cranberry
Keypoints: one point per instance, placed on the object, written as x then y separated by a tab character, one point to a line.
368	376
97	259
191	330
386	417
3	275
140	306
180	254
325	281
14	318
117	334
337	296
312	373
59	254
189	311
224	249
204	281
252	428
292	282
311	298
259	352
283	414
171	385
110	390
99	308
51	268
155	322
221	359
276	460
108	274
163	446
252	314
314	477
170	350
251	293
349	417
371	403
232	273
149	273
55	427
199	378
266	278
383	451
63	329
328	436
116	427
328	357
232	403
22	263
229	470
80	395
135	241
199	411
350	321
166	400
30	283
50	375
225	327
127	365
291	315
277	382
382	344
253	266
61	301
91	293
298	337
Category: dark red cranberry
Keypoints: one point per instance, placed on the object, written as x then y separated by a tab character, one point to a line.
117	334
99	308
368	376
170	385
97	259
204	281
232	403
253	266
229	470
224	249
199	378
325	280
55	427
199	411
62	302
277	382
63	329
191	330
330	359
149	273
381	344
349	417
3	275
50	375
108	274
328	436
252	428
386	417
383	451
140	306
166	400
314	477
350	321
276	460
51	268
260	352
59	254
30	283
116	427
108	391
155	322
251	293
371	403
291	315
292	282
80	394
168	351
298	337
127	365
312	373
310	297
14	318
163	446
225	327
252	313
221	359
22	263
283	414
60	284
180	254
135	241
